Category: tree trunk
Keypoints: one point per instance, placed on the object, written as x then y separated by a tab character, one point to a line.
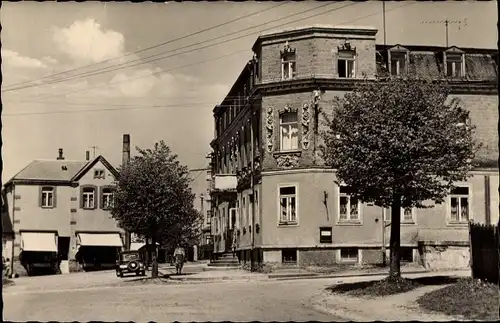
154	267
395	240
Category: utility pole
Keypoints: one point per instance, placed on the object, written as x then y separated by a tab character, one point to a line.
447	22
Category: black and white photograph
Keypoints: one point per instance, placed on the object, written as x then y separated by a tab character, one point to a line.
241	161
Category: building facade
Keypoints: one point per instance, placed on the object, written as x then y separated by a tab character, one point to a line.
274	199
63	206
200	186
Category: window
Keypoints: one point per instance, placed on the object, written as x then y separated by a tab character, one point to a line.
107	197
349	206
346	64
398	63
289	131
288	66
288	204
209	216
459	204
407	215
88	198
289	255
406	254
244	206
47	198
349	254
325	235
99	173
454	65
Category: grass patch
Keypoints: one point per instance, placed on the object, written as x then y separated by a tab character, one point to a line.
386	287
471	298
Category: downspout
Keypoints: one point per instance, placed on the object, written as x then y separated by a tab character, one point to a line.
487	199
252	154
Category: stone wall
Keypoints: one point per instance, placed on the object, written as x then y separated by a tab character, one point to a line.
323	257
441	256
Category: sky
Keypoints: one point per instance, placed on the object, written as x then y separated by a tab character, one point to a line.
77	75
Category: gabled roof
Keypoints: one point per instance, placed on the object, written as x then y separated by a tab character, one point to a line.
91	164
59	170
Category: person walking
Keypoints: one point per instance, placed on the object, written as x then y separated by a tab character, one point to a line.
7	273
179	255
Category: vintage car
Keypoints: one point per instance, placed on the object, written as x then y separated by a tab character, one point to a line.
130	262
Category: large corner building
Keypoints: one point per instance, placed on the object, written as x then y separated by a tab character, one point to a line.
272	196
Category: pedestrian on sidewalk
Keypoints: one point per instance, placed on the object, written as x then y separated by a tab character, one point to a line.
233	246
7	271
179	255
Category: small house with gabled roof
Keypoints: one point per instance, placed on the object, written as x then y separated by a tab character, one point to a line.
62	207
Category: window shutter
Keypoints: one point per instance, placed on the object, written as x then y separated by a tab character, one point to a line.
54	196
96	197
40	190
81	197
101	197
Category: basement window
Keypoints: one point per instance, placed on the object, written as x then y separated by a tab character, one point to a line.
349	254
289	255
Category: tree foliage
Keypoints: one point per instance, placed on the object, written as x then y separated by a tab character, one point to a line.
399	143
154	200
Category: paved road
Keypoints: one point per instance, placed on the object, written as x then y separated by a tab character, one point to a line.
101	296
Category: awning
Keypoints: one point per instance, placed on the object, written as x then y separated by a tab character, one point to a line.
100	240
135	246
38	241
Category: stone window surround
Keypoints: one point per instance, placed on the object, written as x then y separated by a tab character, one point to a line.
82	200
449	221
53	192
348	221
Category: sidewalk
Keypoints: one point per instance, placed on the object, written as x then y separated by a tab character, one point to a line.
222	275
399	307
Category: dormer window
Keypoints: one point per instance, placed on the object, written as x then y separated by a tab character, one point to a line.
346	62
288	67
398	63
455	65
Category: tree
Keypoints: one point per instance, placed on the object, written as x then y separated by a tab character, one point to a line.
398	143
154	200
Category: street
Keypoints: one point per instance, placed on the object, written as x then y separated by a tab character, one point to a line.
101	296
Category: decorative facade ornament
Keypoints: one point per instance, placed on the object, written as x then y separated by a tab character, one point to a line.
316	97
288	160
346	46
287	108
305	126
269	128
287	49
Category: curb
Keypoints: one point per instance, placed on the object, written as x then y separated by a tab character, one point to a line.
319	276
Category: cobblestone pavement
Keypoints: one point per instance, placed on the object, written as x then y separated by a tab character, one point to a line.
101	296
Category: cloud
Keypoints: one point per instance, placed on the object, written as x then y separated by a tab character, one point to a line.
14	59
86	41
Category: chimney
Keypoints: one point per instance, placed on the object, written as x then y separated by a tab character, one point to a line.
87	155
61	157
126	149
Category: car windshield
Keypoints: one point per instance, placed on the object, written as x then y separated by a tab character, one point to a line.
130	256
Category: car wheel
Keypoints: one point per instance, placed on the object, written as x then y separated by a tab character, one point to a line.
119	274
